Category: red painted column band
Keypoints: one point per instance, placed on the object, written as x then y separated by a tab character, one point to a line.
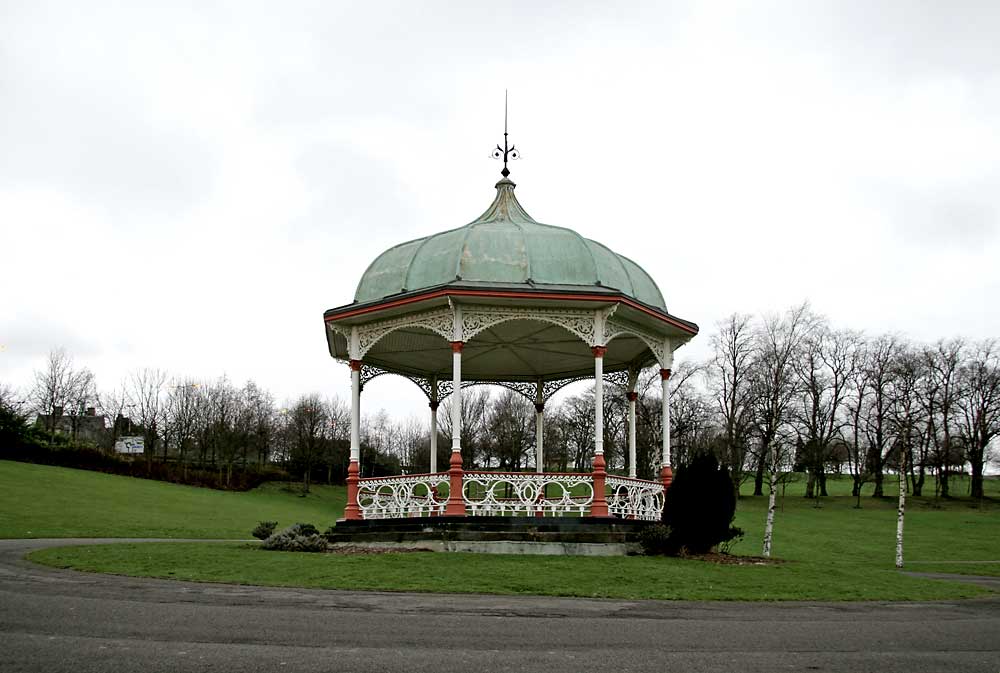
352	511
599	507
456	503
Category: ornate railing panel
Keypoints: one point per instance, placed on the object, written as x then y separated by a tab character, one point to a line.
504	493
634	498
400	497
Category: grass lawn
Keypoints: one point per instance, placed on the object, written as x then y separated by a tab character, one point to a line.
956	535
44	501
633	577
833	551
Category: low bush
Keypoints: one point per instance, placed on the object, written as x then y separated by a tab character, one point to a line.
296	537
655	539
307	529
264	529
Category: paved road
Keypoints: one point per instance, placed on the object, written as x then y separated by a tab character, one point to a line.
53	621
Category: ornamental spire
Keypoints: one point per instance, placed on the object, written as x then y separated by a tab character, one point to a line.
505	152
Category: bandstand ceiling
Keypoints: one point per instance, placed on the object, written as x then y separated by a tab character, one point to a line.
518	350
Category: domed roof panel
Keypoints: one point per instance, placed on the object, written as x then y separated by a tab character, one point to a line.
506	246
435	261
611	271
644	288
387	274
495	251
559	256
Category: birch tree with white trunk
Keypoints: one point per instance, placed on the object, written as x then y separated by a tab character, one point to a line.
778	341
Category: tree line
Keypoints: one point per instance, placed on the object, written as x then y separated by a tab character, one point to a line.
780	392
791	391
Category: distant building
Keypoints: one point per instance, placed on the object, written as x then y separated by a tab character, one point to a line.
88	426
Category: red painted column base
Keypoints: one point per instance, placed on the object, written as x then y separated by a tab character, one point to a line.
352	511
666	477
599	507
456	503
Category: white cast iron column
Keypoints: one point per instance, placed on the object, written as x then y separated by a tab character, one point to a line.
352	511
664	382
539	429
434	425
632	397
666	471
600	503
456	503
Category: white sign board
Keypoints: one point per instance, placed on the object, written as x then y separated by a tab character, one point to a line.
130	445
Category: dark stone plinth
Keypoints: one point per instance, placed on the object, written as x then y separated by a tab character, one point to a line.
605	530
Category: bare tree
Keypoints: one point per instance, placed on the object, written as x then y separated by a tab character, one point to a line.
907	422
728	374
577	414
649	416
12	400
510	430
880	374
113	404
60	388
979	407
905	426
823	369
777	343
944	360
184	400
473	419
310	428
146	395
855	405
901	509
691	423
615	426
338	449
414	445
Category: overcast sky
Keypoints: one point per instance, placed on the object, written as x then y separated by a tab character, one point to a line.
191	188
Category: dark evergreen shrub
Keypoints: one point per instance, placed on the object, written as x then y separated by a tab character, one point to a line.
700	507
15	433
264	529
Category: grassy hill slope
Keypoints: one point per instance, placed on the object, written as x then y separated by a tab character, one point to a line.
43	501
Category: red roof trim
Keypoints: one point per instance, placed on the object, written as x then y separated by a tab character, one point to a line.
511	294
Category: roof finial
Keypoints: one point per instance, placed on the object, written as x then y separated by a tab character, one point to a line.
505	152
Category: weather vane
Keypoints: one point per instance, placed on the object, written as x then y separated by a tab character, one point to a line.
505	152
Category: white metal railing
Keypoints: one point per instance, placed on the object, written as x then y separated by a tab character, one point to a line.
526	493
634	498
400	497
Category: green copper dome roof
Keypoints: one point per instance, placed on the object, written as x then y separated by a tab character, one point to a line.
506	246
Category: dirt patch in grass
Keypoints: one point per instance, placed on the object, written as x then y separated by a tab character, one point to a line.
732	560
354	550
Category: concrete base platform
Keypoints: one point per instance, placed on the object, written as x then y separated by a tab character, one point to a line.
585	536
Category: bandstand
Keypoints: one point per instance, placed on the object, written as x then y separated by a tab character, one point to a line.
532	307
